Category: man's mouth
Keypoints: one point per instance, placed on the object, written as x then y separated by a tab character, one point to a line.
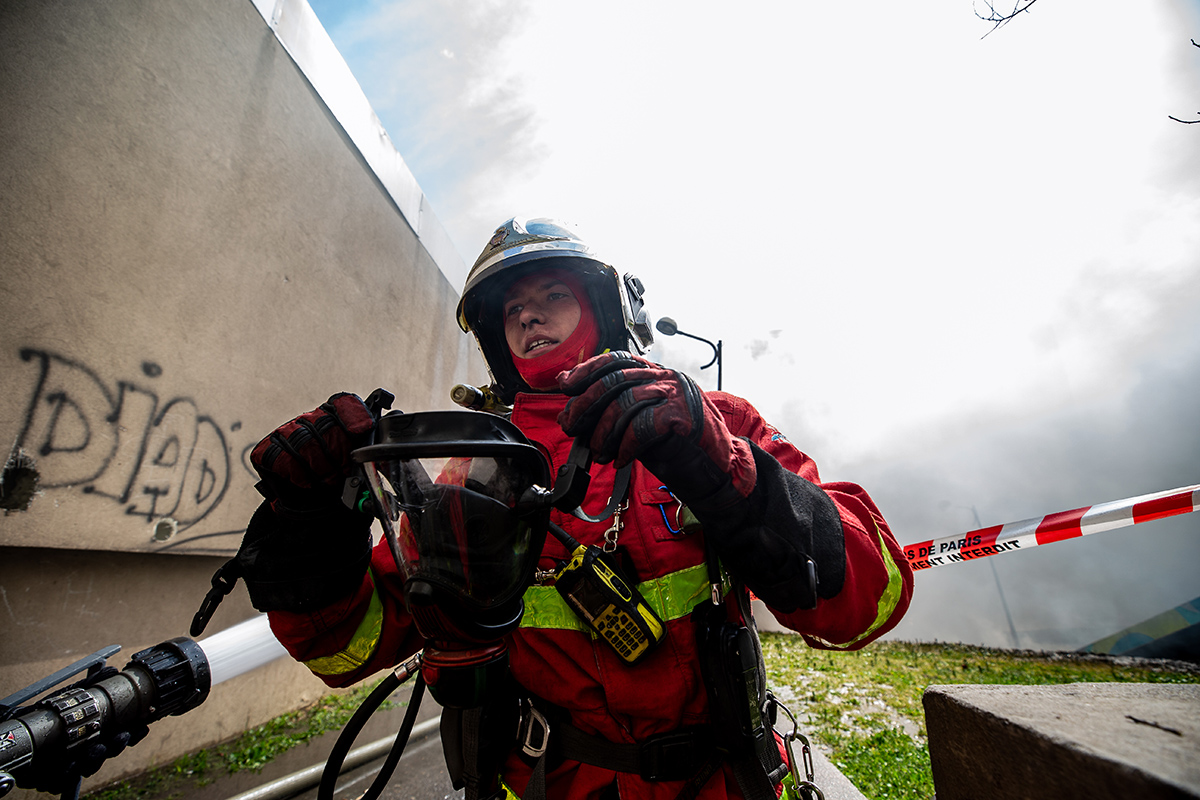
539	344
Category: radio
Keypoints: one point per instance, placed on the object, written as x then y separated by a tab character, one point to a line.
594	588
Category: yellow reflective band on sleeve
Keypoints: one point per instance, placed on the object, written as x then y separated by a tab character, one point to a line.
887	601
672	596
362	643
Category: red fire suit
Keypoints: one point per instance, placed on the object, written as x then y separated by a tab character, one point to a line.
553	655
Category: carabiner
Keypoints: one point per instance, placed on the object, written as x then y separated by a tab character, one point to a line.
807	786
811	790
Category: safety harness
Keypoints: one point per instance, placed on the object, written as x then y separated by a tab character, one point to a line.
486	713
741	732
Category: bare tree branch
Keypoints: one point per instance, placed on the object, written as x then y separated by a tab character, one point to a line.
1001	18
1187	121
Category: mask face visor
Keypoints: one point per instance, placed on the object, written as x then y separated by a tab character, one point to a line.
453	523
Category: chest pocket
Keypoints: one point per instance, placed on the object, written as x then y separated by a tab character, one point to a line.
660	510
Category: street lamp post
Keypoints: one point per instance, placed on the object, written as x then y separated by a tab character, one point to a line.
667	327
1012	629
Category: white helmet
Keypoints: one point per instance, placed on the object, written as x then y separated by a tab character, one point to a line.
521	246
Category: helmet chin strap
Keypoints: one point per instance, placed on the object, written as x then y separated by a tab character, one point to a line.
542	371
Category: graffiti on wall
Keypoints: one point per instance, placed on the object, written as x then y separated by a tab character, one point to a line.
158	459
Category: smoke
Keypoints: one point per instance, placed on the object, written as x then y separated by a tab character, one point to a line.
436	73
1071	593
1128	427
996	319
760	347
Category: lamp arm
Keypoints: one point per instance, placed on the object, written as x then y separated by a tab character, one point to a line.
716	352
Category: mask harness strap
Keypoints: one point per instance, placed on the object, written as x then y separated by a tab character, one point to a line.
571	484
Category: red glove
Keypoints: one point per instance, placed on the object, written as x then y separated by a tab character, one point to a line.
769	526
626	407
303	463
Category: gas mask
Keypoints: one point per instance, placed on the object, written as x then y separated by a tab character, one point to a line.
459	495
464	501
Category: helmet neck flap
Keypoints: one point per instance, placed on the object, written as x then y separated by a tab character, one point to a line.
540	371
522	246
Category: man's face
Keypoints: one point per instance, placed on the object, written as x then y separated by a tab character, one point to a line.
540	312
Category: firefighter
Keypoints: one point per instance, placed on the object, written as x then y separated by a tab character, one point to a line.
564	338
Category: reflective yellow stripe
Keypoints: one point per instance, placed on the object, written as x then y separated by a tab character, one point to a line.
672	596
362	643
887	601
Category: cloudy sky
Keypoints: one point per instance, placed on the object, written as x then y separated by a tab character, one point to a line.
961	270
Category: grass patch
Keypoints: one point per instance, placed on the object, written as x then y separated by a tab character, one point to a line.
865	706
252	750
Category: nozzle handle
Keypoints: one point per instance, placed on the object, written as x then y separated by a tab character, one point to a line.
94	661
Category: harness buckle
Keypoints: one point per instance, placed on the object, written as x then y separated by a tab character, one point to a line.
673	756
528	747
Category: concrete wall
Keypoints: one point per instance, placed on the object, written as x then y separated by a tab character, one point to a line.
193	249
61	605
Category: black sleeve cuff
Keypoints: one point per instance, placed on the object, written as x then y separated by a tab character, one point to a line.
767	538
302	566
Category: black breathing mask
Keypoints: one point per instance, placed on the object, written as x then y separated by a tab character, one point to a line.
462	499
459	496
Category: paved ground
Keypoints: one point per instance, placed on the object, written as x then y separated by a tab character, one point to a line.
420	775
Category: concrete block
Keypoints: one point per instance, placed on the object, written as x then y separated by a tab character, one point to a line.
1085	740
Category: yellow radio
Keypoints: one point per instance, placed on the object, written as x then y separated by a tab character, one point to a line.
601	597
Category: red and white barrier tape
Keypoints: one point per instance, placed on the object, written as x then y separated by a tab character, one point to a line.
1051	528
